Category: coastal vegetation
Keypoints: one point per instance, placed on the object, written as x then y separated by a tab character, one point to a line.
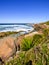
47	23
4	34
34	52
26	43
34	49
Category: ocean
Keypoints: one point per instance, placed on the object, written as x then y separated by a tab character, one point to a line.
15	27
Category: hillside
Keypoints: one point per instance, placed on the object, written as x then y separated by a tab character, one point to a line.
30	49
47	23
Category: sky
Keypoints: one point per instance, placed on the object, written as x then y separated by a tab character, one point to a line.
24	11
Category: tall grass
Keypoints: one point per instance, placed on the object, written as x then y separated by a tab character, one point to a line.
26	44
36	50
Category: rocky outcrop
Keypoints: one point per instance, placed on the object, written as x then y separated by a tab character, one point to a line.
40	27
7	48
18	42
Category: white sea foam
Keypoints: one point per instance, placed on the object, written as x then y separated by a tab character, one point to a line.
17	28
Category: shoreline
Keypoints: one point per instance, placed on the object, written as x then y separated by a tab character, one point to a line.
5	34
19	32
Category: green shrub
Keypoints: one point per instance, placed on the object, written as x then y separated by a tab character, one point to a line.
36	50
37	39
46	32
17	61
26	44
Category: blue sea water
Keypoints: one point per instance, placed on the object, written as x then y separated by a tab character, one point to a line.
15	27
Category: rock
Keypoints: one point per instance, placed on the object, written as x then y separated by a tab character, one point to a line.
18	42
7	48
